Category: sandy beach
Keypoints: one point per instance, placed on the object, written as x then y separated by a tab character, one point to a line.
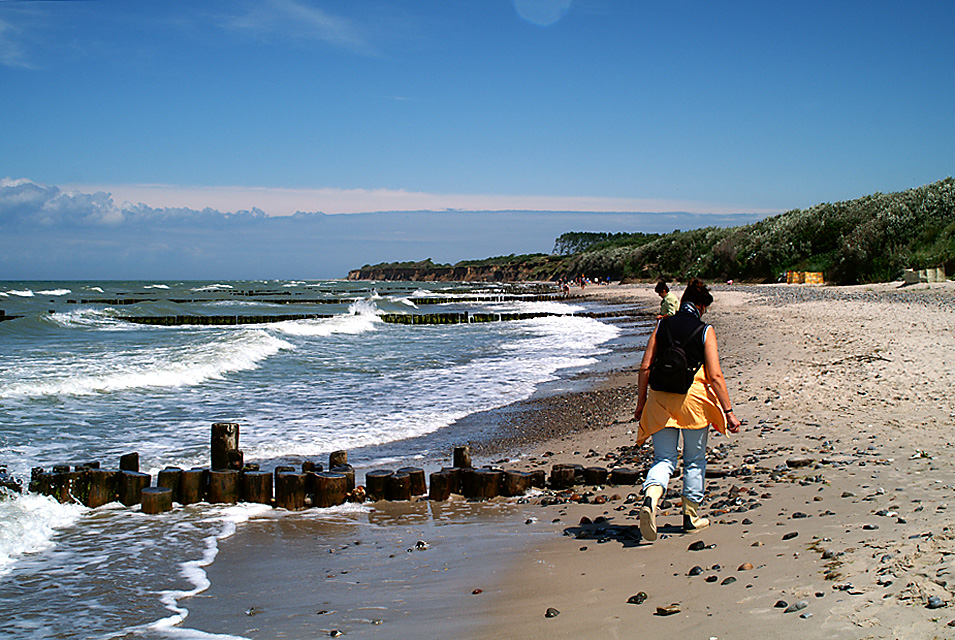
830	510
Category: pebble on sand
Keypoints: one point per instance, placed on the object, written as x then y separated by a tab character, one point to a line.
551	613
796	606
794	463
669	610
639	598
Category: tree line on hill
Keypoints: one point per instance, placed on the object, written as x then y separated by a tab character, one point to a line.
869	239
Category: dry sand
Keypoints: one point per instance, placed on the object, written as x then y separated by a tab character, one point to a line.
855	383
859	381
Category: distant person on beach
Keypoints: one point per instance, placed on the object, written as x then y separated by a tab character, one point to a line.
669	304
665	415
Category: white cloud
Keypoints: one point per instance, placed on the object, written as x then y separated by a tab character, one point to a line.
52	233
12	42
283	202
289	18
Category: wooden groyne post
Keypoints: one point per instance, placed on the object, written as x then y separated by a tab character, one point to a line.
291	489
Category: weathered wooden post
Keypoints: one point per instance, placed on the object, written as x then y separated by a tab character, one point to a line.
193	486
66	484
337	459
104	487
290	490
257	487
418	485
223	486
331	489
349	472
156	499
562	476
376	482
462	457
282	469
480	484
623	475
398	486
129	462
170	477
311	466
440	488
131	485
596	475
515	483
225	438
9	482
538	478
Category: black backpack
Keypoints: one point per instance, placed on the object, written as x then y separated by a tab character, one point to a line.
671	370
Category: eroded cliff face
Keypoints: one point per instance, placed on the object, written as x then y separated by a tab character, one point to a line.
502	273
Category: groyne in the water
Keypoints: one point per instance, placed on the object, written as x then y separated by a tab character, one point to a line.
390	318
230	480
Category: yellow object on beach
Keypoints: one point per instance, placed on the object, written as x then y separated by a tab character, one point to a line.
697	409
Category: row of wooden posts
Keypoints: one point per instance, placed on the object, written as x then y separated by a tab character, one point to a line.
391	318
229	480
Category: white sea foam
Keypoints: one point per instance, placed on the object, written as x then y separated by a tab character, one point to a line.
186	365
54	292
362	317
194	572
542	306
27	525
156	286
105	319
213	287
321	327
21	293
539	349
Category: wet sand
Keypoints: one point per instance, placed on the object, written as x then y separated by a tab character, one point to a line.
833	498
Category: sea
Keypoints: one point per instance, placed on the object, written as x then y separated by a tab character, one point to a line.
81	383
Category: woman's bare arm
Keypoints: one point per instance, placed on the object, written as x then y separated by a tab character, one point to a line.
714	377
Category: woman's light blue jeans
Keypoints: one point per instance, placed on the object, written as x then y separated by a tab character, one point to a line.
665	443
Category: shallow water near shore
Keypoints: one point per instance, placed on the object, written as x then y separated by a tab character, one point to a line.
79	384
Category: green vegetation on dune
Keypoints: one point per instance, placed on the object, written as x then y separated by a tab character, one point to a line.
869	239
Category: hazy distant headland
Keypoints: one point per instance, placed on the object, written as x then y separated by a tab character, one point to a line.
869	239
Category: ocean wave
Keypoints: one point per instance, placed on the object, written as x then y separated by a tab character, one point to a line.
362	317
212	287
407	302
21	293
156	286
28	523
54	292
185	365
537	351
106	319
543	306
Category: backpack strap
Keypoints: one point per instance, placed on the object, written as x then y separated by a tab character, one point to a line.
685	340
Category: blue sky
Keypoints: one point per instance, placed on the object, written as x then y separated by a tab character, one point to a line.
717	108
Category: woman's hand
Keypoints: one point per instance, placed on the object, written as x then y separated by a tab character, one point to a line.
732	423
638	412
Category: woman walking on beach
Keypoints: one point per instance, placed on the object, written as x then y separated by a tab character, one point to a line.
665	415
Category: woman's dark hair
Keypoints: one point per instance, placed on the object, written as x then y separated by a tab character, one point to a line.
697	293
662	287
